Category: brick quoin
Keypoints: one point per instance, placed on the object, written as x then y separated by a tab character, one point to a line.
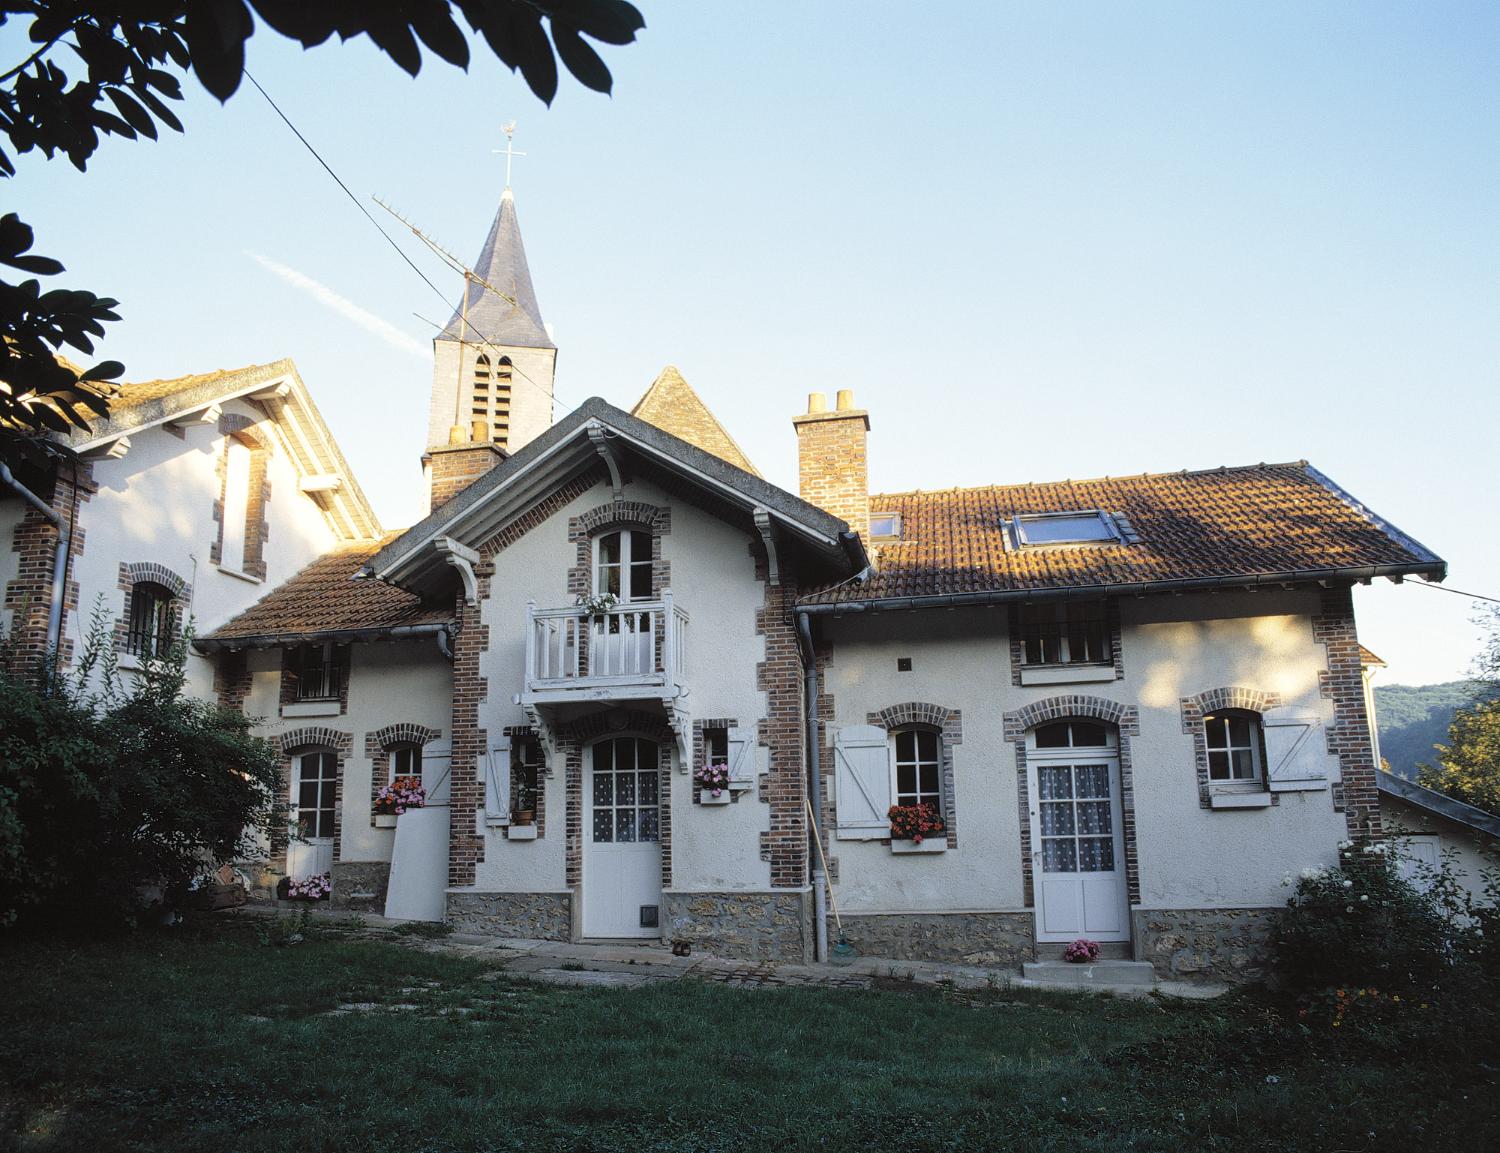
29	595
466	793
784	786
1349	735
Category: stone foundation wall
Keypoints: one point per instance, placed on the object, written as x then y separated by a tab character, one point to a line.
1001	939
1204	944
742	926
360	885
536	916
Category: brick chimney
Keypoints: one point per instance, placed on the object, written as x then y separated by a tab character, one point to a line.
453	467
832	462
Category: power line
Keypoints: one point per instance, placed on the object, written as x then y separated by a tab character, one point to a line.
1457	592
482	339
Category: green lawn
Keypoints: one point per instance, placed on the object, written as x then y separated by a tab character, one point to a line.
204	1038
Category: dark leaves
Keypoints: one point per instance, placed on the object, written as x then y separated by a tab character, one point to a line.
581	60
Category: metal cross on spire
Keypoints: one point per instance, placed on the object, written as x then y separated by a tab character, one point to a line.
509	151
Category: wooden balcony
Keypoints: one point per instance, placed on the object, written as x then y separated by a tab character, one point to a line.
632	652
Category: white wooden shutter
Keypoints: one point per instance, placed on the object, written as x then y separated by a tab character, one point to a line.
1296	756
741	758
437	770
862	783
497	783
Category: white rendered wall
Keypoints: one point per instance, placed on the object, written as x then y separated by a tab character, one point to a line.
1473	852
156	504
713	579
1189	857
390	682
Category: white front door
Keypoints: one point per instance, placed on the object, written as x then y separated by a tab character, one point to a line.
1078	850
621	848
314	784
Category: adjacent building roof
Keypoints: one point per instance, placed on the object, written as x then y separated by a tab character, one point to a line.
279	391
1265	523
1439	803
502	265
324	602
672	405
1368	659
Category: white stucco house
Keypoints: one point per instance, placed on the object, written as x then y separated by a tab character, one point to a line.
1120	708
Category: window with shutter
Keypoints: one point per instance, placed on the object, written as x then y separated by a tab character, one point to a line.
862	782
497	783
1296	753
741	758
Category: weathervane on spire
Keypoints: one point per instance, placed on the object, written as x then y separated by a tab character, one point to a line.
509	151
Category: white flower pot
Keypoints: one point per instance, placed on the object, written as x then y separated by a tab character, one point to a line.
385	820
937	843
706	797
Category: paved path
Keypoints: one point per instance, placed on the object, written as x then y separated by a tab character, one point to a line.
609	965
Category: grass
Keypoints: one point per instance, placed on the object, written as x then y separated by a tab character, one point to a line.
207	1038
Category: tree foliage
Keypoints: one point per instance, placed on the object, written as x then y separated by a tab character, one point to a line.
133	54
110	792
1468	766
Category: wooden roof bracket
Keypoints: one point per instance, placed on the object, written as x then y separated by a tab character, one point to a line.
768	536
602	444
462	558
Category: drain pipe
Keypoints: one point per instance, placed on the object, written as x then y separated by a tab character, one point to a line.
59	559
814	784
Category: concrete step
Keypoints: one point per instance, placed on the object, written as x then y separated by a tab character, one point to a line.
1103	974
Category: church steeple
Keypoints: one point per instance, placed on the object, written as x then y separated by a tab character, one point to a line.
494	362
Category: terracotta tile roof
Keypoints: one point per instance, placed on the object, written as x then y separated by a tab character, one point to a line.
323	599
672	405
1266	519
1368	658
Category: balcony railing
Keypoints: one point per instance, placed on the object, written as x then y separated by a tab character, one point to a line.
640	643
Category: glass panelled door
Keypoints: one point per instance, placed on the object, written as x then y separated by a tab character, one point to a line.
623	643
1078	862
314	785
622	850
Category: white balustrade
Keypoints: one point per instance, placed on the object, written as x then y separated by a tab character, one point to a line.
634	643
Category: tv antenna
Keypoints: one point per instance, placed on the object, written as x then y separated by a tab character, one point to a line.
470	278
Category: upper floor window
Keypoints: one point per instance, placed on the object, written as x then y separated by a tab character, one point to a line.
153	620
1235	746
622	565
319	671
235	515
1065	632
917	768
1035	530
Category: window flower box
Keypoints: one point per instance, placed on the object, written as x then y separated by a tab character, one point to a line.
713	784
521	833
385	820
917	829
395	798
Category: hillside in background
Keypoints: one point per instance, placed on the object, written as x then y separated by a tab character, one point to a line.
1413	718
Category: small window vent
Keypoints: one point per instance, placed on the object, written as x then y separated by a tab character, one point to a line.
650	916
903	664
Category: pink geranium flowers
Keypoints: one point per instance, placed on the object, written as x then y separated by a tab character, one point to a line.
1082	951
401	794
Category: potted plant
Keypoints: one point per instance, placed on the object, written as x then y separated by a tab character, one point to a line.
395	798
314	887
1082	951
713	784
597	605
524	810
917	829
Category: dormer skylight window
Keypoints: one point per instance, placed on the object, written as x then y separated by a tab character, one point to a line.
1040	530
885	526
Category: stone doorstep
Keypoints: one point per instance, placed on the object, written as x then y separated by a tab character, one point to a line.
1103	974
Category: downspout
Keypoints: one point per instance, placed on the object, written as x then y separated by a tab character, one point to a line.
814	783
59	559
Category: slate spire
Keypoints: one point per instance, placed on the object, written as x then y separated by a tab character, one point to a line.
502	263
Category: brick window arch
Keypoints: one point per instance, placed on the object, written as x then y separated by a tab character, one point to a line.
154	611
310	739
1231	700
1126	721
382	745
947	724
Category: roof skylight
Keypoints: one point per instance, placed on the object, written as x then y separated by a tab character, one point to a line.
1036	530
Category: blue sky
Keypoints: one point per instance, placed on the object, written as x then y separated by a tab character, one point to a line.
1038	241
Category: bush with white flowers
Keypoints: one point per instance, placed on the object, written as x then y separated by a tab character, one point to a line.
1359	923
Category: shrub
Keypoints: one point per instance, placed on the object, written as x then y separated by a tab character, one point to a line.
109	792
1360	925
